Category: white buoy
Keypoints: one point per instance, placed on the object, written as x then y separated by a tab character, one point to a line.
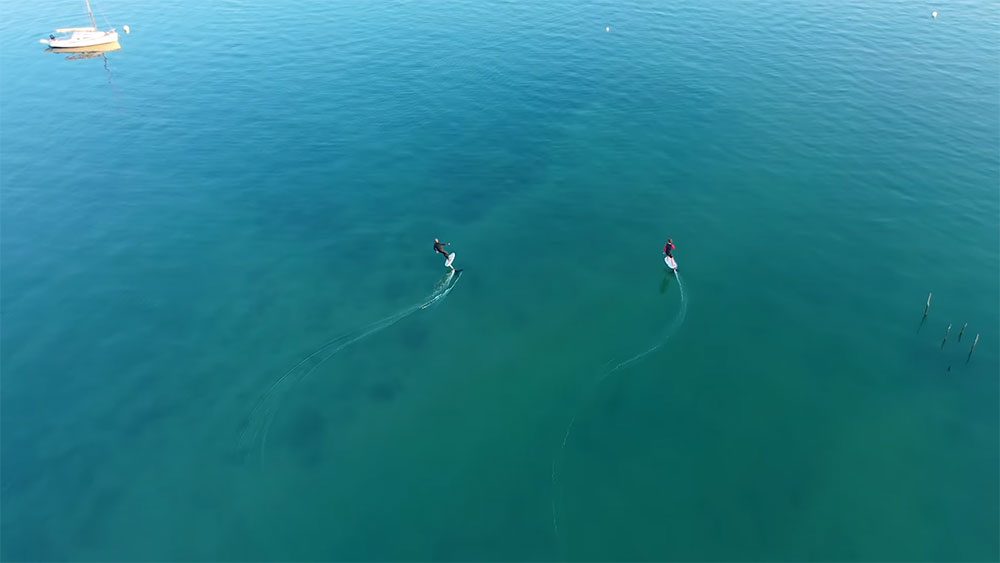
608	29
934	14
126	29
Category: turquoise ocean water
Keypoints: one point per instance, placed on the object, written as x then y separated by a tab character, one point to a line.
225	335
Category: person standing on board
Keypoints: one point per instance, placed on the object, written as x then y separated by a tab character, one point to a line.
448	258
668	248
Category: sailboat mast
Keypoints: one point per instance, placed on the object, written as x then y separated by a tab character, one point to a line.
90	12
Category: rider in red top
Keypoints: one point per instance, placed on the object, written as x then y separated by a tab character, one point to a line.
668	248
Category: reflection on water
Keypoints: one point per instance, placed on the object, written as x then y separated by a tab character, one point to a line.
79	53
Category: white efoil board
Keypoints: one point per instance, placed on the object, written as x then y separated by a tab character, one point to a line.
671	263
451	258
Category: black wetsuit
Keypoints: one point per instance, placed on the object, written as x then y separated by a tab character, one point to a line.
439	247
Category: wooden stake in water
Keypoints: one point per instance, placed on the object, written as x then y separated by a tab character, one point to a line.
973	349
961	332
946	333
927	307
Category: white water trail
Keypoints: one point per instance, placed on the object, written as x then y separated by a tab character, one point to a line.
675	324
253	437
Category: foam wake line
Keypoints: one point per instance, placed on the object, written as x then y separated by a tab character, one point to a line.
253	437
671	329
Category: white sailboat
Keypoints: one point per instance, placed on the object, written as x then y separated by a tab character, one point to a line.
80	37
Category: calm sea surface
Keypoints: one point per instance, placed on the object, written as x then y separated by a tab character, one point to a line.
225	335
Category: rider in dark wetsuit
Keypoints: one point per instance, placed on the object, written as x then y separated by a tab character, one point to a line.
439	247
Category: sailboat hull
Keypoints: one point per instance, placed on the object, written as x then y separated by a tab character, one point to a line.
79	39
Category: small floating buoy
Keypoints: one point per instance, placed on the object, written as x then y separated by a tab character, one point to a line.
934	14
608	29
126	29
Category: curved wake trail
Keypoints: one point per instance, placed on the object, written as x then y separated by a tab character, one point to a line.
253	437
675	324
